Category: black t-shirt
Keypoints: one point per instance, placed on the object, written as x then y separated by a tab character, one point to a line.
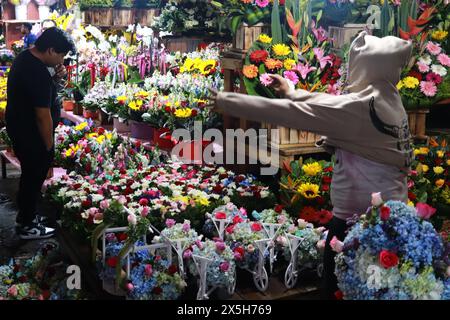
30	86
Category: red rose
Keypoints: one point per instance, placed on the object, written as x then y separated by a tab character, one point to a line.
218	188
122	236
339	295
388	259
230	228
258	56
172	269
111	262
385	213
220	215
411	196
143	202
328	169
326	179
157	290
240	250
86	203
320	200
101	131
325	187
278	208
194	113
256	227
237	219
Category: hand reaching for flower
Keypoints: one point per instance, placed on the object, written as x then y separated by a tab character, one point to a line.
279	85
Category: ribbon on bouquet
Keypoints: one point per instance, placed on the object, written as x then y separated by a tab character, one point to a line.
144	65
119	71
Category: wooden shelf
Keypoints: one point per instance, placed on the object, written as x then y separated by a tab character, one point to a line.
20	21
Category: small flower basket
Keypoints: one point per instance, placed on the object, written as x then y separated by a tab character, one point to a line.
223	216
213	263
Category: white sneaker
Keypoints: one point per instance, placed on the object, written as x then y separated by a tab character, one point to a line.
35	231
38	219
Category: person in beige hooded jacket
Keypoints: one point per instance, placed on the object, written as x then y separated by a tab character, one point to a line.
367	129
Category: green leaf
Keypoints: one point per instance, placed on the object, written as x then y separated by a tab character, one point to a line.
276	23
235	24
319	16
423	197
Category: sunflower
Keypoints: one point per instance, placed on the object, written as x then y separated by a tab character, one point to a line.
183	113
312	169
141	94
309	190
250	71
281	49
135	105
188	66
207	66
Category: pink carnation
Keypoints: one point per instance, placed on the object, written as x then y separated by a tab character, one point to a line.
433	48
292	76
444	59
423	67
265	79
336	245
428	88
262	3
433	77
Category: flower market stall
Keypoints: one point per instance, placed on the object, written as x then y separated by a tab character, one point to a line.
144	222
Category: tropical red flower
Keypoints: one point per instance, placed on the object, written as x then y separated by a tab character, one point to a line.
339	295
411	196
325	187
122	236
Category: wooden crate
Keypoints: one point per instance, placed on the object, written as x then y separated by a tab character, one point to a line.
417	123
145	17
182	44
98	16
123	17
246	35
344	35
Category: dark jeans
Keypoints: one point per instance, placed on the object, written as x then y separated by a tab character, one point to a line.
338	228
35	161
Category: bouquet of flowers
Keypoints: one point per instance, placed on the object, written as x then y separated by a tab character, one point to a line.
179	231
306	190
228	213
221	270
309	66
391	253
428	182
309	252
427	81
241	238
154	278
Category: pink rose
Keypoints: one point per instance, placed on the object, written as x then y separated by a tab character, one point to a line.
144	212
336	245
132	219
224	266
424	211
220	246
148	269
104	204
98	216
129	287
376	199
12	291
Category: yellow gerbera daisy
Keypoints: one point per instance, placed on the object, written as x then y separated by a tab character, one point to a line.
411	82
281	49
289	64
264	38
81	126
309	190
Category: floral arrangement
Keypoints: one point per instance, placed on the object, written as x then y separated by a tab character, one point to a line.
305	191
310	248
17	47
221	270
179	231
310	68
41	277
188	17
6	57
241	238
154	278
391	253
277	216
428	181
228	213
426	82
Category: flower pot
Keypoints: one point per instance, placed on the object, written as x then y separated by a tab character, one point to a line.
162	138
121	127
68	105
91	114
417	122
44	12
21	12
141	130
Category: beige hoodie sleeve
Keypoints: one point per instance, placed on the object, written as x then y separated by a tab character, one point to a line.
324	114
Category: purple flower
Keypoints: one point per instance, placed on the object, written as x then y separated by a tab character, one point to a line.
170	223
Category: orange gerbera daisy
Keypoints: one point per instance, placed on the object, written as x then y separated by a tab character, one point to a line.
250	71
272	64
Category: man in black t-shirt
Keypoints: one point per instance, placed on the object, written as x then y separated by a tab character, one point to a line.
30	125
